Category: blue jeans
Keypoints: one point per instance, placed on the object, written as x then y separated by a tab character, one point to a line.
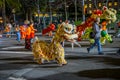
18	36
97	42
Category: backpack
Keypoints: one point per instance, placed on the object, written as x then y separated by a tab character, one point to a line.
92	34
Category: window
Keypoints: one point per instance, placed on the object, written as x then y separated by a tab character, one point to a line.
46	15
85	6
90	11
115	3
90	5
40	15
99	4
110	4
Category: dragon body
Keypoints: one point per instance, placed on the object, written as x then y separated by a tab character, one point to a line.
54	50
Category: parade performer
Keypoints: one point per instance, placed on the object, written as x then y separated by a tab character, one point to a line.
104	34
32	31
54	51
28	38
49	29
23	31
17	31
7	31
110	16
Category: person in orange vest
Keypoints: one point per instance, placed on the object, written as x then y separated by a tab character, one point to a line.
22	31
28	38
32	31
7	30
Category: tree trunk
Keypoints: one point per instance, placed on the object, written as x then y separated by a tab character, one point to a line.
27	15
30	15
75	10
4	13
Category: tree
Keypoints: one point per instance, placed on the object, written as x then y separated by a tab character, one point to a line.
11	3
1	2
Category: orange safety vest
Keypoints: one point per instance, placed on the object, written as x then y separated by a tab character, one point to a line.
32	31
7	29
104	24
22	32
28	33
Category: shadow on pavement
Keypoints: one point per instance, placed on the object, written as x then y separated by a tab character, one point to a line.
100	73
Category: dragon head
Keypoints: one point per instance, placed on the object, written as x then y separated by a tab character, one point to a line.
65	28
109	14
68	28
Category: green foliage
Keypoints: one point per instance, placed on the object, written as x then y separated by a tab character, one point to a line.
14	4
78	22
1	3
43	5
118	16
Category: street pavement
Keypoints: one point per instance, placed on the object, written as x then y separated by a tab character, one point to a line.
16	63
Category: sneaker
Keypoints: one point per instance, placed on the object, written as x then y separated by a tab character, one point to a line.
88	50
101	53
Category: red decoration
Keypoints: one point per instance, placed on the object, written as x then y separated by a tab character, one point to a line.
51	27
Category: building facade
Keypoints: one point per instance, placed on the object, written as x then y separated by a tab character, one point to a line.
98	4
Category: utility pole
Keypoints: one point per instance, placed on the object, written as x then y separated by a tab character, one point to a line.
4	13
50	11
83	10
75	10
66	11
38	11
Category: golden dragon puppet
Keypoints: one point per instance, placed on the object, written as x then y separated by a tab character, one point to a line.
54	50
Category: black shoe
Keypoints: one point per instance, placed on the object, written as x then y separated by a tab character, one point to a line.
88	50
101	53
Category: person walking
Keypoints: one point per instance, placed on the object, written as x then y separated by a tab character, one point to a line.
17	31
97	31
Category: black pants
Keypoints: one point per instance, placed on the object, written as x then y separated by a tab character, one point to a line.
27	43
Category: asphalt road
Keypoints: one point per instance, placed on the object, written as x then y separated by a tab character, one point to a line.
16	63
